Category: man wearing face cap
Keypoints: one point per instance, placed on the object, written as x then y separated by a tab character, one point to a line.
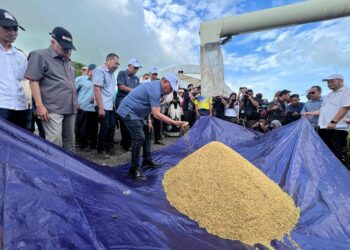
127	80
52	83
134	111
13	64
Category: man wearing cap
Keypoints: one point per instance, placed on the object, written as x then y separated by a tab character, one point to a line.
87	122
157	124
333	114
104	88
53	88
84	71
134	111
13	64
127	81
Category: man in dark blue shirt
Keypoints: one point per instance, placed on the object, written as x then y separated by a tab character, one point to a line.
127	80
294	108
134	112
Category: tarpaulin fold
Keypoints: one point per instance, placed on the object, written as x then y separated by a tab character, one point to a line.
51	199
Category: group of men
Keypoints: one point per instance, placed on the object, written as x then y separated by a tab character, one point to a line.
54	91
58	97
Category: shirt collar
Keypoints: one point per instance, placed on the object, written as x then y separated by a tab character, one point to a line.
104	67
10	51
161	89
129	73
341	89
55	55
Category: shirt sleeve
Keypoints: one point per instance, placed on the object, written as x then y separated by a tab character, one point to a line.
98	77
36	67
121	78
346	99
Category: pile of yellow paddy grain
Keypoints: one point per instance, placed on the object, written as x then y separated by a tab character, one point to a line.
230	197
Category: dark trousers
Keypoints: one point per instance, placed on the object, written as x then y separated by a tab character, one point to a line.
141	137
189	116
335	140
158	129
20	118
106	133
231	119
39	123
87	124
204	112
125	134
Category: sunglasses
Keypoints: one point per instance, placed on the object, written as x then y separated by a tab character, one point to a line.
11	28
137	68
154	74
311	93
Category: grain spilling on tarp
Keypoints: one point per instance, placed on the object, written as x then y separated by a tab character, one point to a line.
230	197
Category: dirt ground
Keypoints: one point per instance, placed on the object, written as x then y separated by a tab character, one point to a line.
120	157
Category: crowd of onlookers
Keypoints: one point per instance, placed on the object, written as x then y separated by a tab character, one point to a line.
329	115
40	91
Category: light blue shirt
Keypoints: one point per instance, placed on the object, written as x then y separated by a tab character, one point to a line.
138	103
312	106
85	93
106	80
13	64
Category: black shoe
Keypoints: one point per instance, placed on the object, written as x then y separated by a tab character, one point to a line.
136	174
159	142
150	164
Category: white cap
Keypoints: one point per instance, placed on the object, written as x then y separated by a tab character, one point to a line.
134	62
172	79
333	76
154	70
276	123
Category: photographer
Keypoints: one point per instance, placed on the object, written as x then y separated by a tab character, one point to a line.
261	126
248	107
219	107
277	108
231	108
262	109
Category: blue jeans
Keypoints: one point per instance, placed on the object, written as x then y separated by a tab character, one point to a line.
106	132
140	137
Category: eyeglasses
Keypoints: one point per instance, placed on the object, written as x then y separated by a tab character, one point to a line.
311	93
11	28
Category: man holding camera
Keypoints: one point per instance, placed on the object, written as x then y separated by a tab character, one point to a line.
277	108
248	107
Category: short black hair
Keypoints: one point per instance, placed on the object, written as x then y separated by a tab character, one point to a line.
111	56
189	85
294	95
317	87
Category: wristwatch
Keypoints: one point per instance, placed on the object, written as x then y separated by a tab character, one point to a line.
334	122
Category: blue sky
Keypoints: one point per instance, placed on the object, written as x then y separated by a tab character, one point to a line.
164	33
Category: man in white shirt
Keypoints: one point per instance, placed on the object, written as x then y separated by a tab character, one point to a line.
13	66
333	111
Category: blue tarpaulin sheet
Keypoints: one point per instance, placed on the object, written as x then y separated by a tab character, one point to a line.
51	199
